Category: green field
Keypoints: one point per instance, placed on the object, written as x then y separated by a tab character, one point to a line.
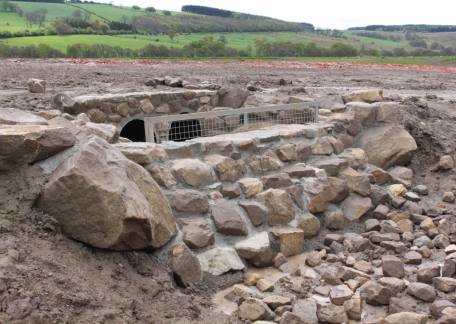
12	22
115	13
235	40
61	42
379	43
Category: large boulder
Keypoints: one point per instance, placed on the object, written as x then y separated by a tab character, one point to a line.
103	199
12	116
107	132
24	144
36	85
228	218
280	206
387	146
188	201
371	95
193	172
256	249
197	233
141	153
322	192
226	168
406	318
218	261
290	240
232	97
365	113
355	206
185	265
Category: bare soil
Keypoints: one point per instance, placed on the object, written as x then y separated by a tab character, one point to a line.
47	278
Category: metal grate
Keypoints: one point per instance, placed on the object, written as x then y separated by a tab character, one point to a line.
216	122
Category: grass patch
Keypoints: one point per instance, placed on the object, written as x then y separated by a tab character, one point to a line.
12	22
111	13
382	43
61	42
54	10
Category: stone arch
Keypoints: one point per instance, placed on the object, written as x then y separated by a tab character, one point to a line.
134	130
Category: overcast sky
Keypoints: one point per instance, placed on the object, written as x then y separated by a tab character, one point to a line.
339	14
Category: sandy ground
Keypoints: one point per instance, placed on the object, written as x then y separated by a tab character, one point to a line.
48	278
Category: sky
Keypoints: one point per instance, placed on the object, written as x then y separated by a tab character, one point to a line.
334	14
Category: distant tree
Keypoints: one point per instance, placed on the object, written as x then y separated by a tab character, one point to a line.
222	39
6	6
400	52
167	12
341	49
336	33
37	17
171	34
86	15
150	9
436	46
77	14
61	27
421	43
124	19
101	26
136	7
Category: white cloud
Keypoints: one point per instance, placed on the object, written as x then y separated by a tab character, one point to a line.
328	13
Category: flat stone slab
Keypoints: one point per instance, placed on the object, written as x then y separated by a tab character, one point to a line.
217	261
120	97
259	135
24	144
12	116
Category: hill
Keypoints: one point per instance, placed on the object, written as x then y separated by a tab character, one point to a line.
155	22
57	29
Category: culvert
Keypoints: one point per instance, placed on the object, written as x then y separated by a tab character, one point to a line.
134	130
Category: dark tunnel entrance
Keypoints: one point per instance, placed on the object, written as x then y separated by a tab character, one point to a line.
134	131
184	130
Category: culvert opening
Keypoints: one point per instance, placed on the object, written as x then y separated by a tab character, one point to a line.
184	130
134	130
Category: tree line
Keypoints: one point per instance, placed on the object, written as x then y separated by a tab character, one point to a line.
155	24
413	28
207	11
210	47
377	35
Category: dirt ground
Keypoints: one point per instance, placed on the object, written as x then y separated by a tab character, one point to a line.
48	278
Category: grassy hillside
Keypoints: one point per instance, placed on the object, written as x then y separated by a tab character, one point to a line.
117	13
185	33
10	21
54	10
379	43
152	22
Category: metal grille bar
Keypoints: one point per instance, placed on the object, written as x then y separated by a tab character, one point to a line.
216	122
